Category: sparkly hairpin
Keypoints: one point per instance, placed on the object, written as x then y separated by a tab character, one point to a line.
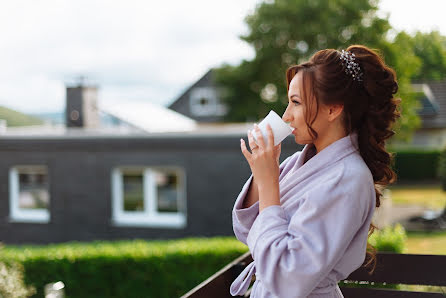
351	67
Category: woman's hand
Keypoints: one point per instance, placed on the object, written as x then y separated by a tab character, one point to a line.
264	159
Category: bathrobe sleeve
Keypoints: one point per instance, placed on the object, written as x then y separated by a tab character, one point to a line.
243	218
293	256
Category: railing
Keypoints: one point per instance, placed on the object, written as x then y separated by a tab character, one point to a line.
391	268
217	286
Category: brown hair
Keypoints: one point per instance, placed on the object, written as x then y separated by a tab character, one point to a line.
369	108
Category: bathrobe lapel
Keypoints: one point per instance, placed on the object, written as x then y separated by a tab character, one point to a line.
305	172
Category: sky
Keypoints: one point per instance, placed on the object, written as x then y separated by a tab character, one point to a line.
136	50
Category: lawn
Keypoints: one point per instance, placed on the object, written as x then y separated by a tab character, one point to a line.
431	196
426	243
427	195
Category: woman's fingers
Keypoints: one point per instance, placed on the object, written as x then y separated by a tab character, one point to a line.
270	136
277	150
252	143
259	136
245	151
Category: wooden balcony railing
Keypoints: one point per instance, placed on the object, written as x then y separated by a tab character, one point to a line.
410	269
217	286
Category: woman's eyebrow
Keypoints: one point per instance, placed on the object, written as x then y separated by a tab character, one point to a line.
294	95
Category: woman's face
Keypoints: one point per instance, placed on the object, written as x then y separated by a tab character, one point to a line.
295	112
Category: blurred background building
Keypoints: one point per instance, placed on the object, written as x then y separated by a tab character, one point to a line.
136	170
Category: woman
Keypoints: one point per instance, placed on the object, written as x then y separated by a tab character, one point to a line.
306	222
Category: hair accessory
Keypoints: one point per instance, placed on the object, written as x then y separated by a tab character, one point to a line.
351	67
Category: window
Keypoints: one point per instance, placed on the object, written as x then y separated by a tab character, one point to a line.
204	102
29	194
151	197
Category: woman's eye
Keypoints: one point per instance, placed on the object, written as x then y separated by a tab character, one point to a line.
296	102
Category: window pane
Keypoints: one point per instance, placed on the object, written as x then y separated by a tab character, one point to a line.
133	192
167	191
33	189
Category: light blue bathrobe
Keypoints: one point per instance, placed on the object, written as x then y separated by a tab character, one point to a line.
318	234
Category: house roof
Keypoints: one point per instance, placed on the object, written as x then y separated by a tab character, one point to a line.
149	117
433	104
206	78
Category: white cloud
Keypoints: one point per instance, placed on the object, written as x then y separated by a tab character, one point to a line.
415	15
137	50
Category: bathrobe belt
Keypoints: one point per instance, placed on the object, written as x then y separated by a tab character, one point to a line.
241	284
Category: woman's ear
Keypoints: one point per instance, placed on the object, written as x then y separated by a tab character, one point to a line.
334	111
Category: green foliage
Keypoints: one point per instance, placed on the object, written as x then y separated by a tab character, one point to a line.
430	48
135	268
390	239
416	164
399	55
441	168
287	32
421	56
140	268
11	281
14	118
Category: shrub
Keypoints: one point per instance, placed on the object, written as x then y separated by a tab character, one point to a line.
140	268
136	268
390	239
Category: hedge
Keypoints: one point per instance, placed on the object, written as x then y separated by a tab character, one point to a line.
136	268
141	268
416	164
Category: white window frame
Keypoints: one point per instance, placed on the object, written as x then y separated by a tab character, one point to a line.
18	214
149	217
198	109
214	106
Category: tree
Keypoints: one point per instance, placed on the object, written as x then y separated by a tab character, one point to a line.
431	49
286	32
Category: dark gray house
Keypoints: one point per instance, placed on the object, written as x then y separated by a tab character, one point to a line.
201	101
87	182
433	114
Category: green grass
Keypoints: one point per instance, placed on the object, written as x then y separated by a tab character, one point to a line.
427	195
14	118
433	243
430	196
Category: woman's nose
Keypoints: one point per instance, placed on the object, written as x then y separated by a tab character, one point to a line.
285	117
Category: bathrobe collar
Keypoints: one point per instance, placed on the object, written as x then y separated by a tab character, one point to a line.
330	154
317	163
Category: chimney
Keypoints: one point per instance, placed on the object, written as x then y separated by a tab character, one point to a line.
81	106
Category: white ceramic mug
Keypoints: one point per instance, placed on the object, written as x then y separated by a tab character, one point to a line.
280	128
